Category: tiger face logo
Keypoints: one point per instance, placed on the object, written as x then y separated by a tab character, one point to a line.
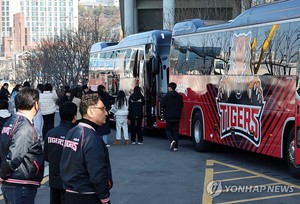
240	96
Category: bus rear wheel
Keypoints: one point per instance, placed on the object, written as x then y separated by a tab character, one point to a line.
290	156
198	134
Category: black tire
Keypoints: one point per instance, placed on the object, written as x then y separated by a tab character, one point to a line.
290	155
197	133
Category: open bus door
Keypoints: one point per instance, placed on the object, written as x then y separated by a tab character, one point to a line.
293	153
296	135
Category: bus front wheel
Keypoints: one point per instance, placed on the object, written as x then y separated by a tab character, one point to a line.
290	156
198	134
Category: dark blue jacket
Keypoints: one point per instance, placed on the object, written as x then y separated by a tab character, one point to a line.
4	93
53	146
105	128
85	165
136	103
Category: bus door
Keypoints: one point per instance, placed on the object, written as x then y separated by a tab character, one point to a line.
149	88
297	115
297	125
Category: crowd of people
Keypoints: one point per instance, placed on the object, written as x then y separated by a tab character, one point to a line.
76	149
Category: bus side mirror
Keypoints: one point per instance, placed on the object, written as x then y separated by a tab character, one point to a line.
155	65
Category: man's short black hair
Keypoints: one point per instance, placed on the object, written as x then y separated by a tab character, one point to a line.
26	84
172	85
67	111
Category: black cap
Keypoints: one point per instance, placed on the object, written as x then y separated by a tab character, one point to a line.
172	85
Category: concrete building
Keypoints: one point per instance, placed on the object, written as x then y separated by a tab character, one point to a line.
21	35
93	3
142	15
48	18
102	2
37	19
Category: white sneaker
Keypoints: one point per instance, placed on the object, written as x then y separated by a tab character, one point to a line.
172	145
133	143
175	149
107	145
140	143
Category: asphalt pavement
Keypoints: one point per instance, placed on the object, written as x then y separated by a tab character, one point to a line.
149	173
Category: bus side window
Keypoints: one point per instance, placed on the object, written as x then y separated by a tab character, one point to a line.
294	41
135	71
181	65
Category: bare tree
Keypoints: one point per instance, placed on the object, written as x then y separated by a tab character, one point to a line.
64	59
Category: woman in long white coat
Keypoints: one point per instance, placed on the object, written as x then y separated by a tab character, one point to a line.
48	107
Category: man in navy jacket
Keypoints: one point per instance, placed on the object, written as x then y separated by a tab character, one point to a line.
84	165
53	146
172	104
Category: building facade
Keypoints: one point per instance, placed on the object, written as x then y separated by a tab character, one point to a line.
143	15
29	21
101	2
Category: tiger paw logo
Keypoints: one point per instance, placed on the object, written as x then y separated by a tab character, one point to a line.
240	98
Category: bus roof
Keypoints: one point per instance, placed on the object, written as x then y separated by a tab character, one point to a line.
100	45
154	36
276	11
145	38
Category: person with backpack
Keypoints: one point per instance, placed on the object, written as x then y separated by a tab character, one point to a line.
136	103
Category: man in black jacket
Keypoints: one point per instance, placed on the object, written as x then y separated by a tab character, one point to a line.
104	130
22	166
53	146
4	93
84	165
172	104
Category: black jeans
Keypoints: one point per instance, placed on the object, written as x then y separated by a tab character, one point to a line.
136	128
48	123
57	196
172	129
